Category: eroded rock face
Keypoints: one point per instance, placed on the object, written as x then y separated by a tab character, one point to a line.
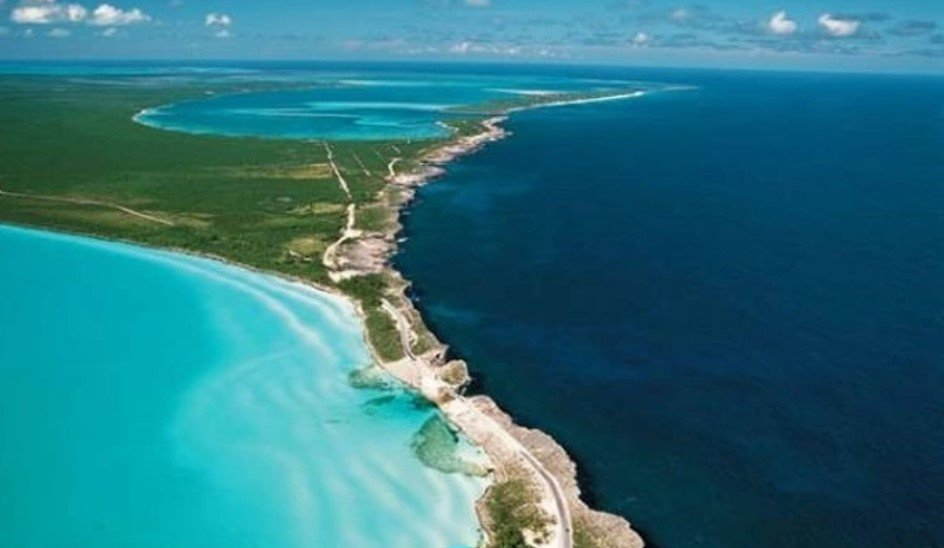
601	529
455	373
366	253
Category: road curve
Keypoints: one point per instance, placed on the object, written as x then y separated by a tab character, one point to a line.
564	536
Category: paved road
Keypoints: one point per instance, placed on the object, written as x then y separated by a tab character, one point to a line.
565	537
565	540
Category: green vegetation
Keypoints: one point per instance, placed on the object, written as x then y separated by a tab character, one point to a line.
374	218
381	328
583	538
72	159
246	200
71	156
512	508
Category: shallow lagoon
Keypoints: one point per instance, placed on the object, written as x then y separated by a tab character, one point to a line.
357	107
153	399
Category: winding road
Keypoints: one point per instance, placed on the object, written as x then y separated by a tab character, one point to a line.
563	537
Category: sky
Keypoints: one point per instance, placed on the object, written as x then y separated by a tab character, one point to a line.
883	35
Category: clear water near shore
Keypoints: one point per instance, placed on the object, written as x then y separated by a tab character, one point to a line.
153	399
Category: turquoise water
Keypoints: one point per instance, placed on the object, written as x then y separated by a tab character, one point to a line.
153	399
350	113
351	106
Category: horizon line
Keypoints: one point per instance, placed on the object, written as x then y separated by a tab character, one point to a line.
481	63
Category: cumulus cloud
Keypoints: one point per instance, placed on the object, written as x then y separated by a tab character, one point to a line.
107	15
837	27
44	12
780	24
109	32
478	3
219	23
75	13
59	33
218	20
32	15
641	39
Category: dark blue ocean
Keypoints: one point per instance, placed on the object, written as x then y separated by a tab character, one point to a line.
727	303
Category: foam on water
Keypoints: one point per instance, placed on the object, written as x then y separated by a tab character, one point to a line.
204	405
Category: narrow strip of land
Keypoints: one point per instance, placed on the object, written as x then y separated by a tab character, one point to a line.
89	202
487	433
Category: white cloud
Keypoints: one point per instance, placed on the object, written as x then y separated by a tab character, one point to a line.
47	12
59	33
780	24
641	39
222	33
75	13
107	15
479	48
461	47
218	20
838	27
478	3
109	32
25	15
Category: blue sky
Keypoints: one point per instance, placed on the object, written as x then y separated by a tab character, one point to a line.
821	34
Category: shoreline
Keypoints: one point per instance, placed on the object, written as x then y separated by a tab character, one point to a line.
515	452
292	308
479	417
